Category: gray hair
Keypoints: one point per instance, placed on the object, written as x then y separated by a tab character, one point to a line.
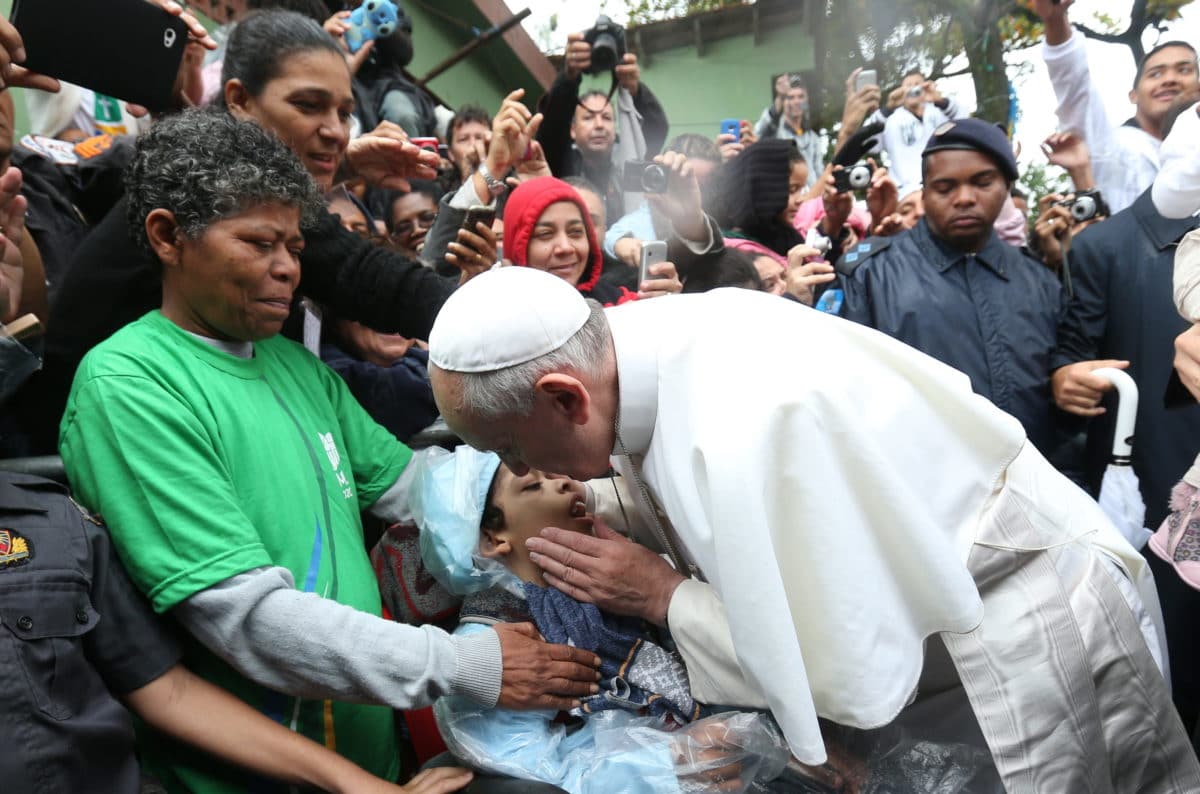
508	392
205	165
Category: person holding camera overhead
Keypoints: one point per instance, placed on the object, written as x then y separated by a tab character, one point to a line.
915	109
951	288
580	133
786	119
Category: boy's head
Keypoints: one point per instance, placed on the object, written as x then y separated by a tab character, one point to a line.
518	508
475	516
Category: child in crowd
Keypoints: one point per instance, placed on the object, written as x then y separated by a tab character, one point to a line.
642	732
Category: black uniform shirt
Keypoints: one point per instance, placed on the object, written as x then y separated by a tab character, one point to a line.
74	631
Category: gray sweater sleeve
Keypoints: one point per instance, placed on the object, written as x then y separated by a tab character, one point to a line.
307	646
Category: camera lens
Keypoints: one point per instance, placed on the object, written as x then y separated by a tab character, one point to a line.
604	53
1083	208
860	177
654	179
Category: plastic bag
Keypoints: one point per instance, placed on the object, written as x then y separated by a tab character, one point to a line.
891	761
616	750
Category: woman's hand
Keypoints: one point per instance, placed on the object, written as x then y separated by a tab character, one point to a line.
665	281
384	157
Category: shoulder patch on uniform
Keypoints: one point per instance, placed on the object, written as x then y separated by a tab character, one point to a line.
853	260
94	146
14	550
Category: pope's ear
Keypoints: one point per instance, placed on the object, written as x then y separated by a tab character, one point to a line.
566	395
163	233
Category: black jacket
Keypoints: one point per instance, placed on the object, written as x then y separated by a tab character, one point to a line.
111	282
992	315
74	634
1123	309
558	108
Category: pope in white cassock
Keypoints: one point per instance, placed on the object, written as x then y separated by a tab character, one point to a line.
856	532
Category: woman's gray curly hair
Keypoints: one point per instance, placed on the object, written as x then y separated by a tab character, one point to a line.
205	165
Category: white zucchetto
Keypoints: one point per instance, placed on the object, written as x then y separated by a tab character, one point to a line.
505	317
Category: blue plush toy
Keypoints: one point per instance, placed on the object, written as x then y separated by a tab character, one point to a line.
373	19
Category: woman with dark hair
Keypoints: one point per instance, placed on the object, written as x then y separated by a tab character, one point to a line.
757	193
287	74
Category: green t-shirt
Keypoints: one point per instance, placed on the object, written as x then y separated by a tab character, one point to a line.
206	465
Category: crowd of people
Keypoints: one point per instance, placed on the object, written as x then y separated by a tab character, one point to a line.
776	453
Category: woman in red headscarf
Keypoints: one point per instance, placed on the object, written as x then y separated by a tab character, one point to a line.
547	226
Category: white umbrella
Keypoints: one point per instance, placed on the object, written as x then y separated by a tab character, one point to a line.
1120	497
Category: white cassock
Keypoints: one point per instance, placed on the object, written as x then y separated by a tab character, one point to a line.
846	497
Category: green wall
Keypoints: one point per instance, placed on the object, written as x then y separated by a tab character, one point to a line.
485	77
731	80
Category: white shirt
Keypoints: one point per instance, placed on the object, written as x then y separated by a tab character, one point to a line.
830	501
1124	158
905	136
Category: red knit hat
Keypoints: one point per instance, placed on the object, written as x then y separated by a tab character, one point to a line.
522	210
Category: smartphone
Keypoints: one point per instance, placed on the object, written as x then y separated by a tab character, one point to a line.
478	214
653	252
127	49
426	143
732	127
865	78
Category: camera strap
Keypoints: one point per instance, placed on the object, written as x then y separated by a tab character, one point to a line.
611	91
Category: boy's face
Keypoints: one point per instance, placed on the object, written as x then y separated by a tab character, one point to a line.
531	503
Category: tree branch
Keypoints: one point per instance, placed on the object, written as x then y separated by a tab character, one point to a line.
1111	38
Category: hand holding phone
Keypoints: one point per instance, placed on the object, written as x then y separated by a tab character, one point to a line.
653	252
865	78
75	41
479	214
732	127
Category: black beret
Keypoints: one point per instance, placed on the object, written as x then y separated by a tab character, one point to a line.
975	135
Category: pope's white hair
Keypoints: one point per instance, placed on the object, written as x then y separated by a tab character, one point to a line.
508	392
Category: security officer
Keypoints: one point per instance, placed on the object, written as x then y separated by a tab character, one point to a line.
952	289
75	630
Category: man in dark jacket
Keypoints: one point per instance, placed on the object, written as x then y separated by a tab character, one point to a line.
579	133
1122	314
952	289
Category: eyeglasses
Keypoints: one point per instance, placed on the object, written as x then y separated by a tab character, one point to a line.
404	228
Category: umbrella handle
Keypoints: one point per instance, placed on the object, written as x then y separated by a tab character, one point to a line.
1127	405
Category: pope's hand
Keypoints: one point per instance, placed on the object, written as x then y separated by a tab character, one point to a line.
607	570
538	675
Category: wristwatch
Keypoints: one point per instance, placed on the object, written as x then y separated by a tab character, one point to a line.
494	185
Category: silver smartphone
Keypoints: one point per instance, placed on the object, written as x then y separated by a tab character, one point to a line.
653	252
865	78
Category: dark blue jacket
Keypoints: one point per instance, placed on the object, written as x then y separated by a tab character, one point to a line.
992	315
398	397
1123	309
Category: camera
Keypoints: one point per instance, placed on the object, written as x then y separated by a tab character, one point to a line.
1085	205
914	92
608	45
643	176
856	177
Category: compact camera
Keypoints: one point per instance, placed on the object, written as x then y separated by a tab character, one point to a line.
608	45
1085	205
856	177
915	91
644	176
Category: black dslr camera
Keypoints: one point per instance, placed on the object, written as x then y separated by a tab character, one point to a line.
856	177
1085	205
608	45
644	176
